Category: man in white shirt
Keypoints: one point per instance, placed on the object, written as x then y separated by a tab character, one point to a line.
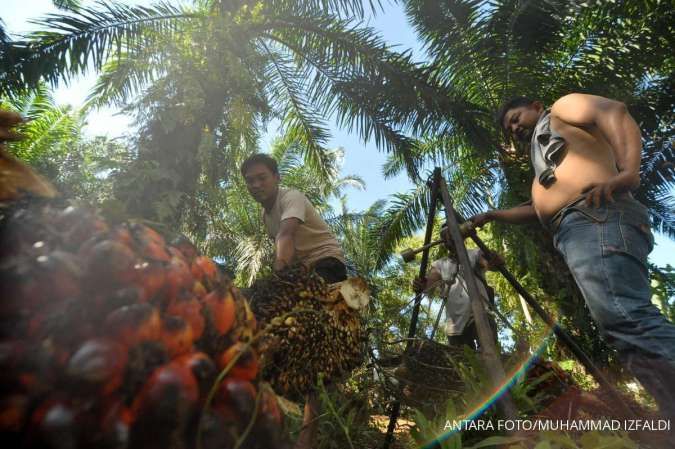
445	273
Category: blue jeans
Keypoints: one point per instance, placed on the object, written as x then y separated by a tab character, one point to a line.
606	251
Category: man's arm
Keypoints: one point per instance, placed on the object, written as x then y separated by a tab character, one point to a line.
620	130
285	242
491	261
431	280
521	214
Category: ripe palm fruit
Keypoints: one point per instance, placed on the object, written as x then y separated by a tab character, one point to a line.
176	335
191	311
221	309
246	365
309	334
134	324
111	338
99	363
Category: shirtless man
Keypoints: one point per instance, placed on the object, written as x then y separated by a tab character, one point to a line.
586	154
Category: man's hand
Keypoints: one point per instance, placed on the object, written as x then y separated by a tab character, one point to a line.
480	220
602	192
494	260
419	285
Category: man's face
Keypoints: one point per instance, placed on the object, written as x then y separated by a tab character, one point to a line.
520	121
261	183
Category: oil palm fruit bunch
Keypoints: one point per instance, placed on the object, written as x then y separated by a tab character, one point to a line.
429	372
309	331
112	336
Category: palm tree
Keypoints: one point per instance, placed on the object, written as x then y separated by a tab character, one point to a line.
211	75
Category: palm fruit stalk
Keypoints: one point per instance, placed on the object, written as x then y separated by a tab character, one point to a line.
112	337
310	333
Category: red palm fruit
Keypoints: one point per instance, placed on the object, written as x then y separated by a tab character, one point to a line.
169	388
185	246
134	324
151	278
13	411
222	310
143	233
77	224
119	298
191	311
202	367
246	366
54	425
154	251
151	244
61	272
86	248
121	234
175	252
110	262
98	364
215	429
238	396
178	277
176	335
204	267
112	429
198	289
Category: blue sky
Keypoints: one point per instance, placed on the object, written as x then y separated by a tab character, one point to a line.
361	158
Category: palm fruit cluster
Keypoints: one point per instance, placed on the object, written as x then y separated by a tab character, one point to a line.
309	331
429	373
113	337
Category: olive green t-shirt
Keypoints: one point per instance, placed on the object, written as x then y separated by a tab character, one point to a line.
313	239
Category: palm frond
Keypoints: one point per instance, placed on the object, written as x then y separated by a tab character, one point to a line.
341	8
85	39
50	131
301	125
405	215
123	77
71	5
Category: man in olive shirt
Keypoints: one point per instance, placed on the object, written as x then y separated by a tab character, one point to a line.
300	235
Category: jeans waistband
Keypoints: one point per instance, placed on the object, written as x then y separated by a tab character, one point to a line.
554	223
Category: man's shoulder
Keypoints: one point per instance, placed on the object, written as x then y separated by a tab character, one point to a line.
291	194
578	108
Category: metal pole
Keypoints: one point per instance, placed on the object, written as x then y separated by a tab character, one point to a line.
485	336
563	336
396	405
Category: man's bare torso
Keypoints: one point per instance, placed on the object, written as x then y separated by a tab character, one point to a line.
589	159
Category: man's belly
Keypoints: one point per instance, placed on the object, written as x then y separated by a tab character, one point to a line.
575	174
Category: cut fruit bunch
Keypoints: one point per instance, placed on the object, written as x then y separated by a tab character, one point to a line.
112	337
311	331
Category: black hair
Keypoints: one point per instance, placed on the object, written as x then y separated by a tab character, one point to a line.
513	103
259	158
